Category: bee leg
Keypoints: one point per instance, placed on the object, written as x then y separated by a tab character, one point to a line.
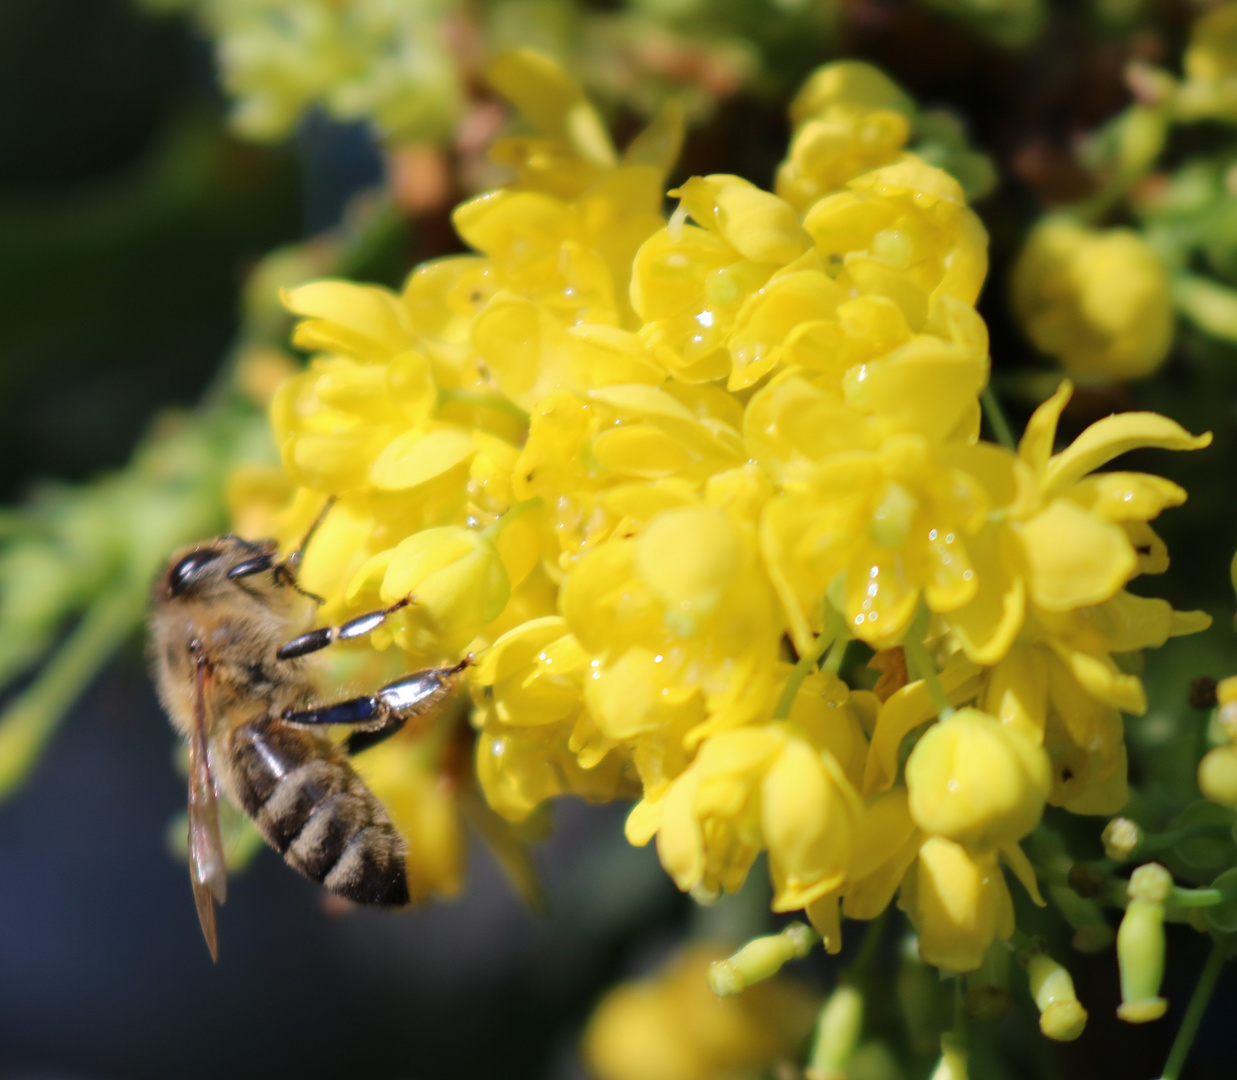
414	697
374	718
369	711
327	635
367	737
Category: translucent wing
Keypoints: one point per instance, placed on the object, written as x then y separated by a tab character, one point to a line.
206	865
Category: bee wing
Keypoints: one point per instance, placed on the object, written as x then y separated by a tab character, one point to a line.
206	865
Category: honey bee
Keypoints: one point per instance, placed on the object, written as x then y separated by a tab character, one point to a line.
228	668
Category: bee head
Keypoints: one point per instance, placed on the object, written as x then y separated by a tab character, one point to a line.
198	571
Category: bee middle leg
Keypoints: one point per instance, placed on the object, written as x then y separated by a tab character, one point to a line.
327	635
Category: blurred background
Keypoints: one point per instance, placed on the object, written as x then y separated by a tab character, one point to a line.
132	221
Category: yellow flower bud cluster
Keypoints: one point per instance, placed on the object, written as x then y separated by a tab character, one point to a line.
1099	300
632	463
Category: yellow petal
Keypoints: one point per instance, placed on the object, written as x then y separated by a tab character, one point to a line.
552	101
756	223
1040	436
1073	558
420	455
367	314
1016	859
987	626
1111	437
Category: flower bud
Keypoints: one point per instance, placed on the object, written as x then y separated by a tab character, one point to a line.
1099	301
976	781
1140	946
457	582
837	1034
959	903
760	959
1217	775
1061	1016
1121	839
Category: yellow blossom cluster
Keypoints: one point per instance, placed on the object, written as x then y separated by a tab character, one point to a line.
657	475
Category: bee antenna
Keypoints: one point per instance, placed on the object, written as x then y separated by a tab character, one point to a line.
285	571
295	558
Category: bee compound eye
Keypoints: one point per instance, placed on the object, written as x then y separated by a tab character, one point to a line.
184	572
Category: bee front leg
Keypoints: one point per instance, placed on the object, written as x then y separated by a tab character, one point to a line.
328	635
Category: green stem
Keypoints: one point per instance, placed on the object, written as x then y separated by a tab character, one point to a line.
29	721
806	665
857	972
996	419
1192	898
919	665
1153	843
837	656
1194	1012
485	401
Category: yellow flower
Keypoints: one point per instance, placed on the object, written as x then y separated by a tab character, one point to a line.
959	903
673	1027
681	626
747	790
745	290
1069	539
655	476
878	529
902	231
977	781
604	462
849	118
455	579
1098	301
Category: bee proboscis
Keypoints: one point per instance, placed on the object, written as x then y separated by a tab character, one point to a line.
228	668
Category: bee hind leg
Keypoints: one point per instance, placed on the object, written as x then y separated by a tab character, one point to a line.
417	697
373	718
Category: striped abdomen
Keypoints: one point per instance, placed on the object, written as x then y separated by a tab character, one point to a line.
311	806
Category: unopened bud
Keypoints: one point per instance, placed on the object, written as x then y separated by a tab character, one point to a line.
837	1034
1121	839
1150	882
760	959
1140	946
1217	775
1061	1015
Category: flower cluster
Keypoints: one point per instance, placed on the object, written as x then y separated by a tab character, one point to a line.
658	475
